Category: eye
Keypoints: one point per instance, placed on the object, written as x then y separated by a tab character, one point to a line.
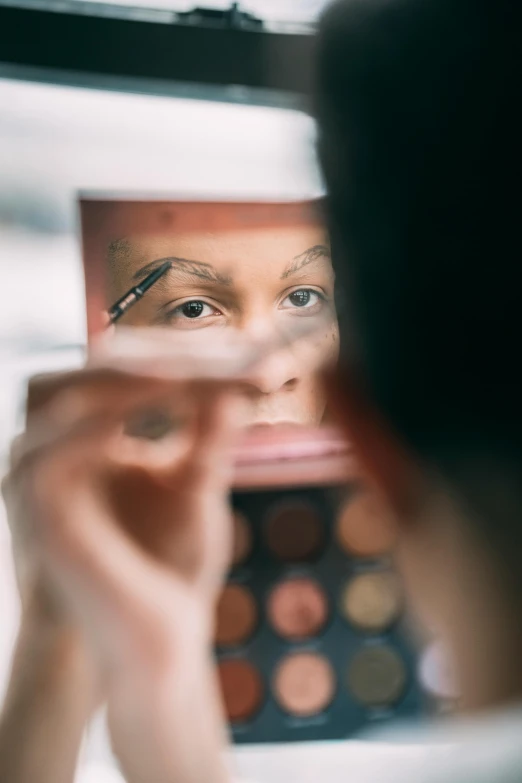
303	298
194	309
191	310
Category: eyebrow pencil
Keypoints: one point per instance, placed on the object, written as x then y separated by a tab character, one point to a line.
135	293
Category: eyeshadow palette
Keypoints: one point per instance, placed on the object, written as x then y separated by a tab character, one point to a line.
310	635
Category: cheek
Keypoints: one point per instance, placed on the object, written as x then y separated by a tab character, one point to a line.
333	343
324	350
319	353
314	355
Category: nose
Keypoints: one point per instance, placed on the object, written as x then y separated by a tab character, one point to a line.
275	373
279	370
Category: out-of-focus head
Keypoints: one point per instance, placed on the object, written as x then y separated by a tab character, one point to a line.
420	133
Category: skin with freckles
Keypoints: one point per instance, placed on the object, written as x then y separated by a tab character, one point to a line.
255	280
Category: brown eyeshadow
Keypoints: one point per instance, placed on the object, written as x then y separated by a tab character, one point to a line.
294	532
377	676
372	601
241	689
236	616
364	527
298	609
242	539
304	684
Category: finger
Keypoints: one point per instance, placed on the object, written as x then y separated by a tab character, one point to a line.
43	442
86	555
16	447
64	398
197	355
100	405
101	401
278	338
221	418
138	350
47	389
139	363
91	382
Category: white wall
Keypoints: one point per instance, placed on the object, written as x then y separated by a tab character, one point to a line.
54	140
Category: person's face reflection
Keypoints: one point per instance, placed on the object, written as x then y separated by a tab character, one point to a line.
253	280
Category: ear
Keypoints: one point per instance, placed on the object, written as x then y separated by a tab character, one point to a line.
382	457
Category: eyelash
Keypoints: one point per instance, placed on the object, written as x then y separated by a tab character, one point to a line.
175	313
320	296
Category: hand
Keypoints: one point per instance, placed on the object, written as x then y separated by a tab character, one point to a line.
134	536
125	532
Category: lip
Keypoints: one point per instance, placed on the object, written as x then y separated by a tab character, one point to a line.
283	424
310	456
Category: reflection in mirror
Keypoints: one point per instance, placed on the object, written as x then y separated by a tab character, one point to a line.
254	268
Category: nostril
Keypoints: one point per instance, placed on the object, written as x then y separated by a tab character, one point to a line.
276	374
266	386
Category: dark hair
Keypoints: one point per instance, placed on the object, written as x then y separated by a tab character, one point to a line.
420	134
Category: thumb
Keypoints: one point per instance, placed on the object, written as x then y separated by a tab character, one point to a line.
106	322
221	418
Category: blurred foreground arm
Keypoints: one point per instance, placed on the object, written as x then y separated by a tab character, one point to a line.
47	705
53	687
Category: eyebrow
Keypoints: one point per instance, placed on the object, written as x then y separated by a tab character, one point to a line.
303	259
198	269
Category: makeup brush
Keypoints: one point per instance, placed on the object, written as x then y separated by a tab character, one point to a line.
135	293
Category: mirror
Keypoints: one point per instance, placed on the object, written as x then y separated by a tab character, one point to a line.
193	265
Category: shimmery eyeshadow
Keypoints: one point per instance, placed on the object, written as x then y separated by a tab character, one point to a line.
377	676
364	527
304	684
298	609
372	601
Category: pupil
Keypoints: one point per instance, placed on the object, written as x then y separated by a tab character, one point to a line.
300	298
192	309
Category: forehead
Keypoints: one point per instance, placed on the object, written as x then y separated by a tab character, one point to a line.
229	250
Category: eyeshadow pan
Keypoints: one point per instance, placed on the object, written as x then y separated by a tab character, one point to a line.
241	689
377	676
242	539
298	609
372	601
364	527
304	684
294	532
236	616
151	424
